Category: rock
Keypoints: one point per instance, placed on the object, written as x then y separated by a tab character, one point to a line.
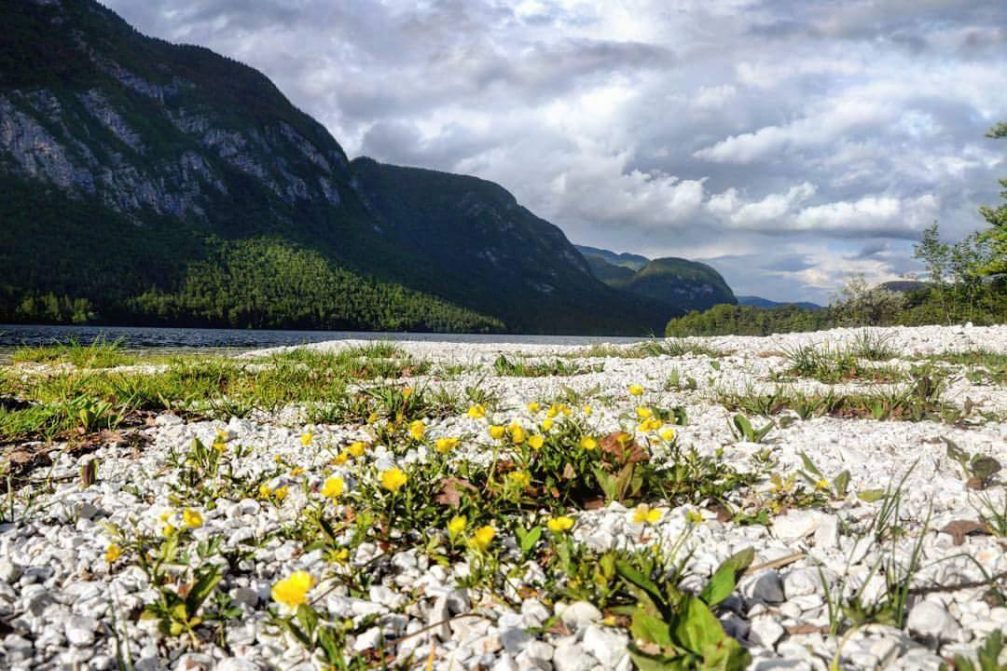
9	571
797	524
371	638
237	664
80	630
192	661
572	657
608	646
765	586
580	614
801	582
932	621
505	663
765	631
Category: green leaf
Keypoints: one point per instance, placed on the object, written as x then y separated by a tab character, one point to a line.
327	640
206	581
725	578
809	465
727	655
308	618
651	629
649	662
842	484
871	495
528	538
634	577
744	427
696	628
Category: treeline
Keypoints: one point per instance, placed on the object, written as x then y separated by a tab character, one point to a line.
256	283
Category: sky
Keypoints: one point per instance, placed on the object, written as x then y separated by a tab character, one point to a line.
788	143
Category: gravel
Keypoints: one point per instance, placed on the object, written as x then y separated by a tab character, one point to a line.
62	607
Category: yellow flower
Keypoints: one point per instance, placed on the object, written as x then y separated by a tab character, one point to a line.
694	516
340	458
219	445
280	493
373	417
566	410
588	443
295	471
534	407
357	449
306	438
293	590
552	411
644	412
456	526
644	514
559	525
445	445
667	434
393	479
407	392
192	518
536	442
822	485
483	537
519	479
168	530
650	425
112	552
588	410
166	515
333	487
477	411
547	424
517	433
497	432
265	492
636	389
417	430
340	556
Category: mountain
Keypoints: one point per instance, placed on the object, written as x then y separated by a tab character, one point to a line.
903	286
685	285
148	182
759	302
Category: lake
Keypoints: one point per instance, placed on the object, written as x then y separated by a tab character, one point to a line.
138	337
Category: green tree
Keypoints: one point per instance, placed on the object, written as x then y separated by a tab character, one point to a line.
996	236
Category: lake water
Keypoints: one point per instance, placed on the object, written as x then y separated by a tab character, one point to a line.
182	338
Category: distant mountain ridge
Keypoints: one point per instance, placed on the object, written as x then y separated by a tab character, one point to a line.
685	284
759	302
147	182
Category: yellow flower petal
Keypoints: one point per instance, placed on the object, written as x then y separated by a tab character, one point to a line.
393	479
293	590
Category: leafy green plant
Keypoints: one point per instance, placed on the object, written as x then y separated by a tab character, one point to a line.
743	429
978	470
838	486
987	656
673	630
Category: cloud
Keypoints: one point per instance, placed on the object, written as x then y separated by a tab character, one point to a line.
747	133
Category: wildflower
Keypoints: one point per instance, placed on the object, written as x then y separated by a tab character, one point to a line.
476	411
552	411
650	425
407	392
166	515
168	530
587	410
517	433
667	434
822	485
306	438
483	537
547	424
295	471
417	430
340	458
588	443
636	389
112	552
333	487
373	417
497	432
519	479
293	590
280	493
644	514
357	449
559	525
340	556
644	412
536	442
445	445
694	516
220	443
192	518
393	479
457	526
534	407
265	491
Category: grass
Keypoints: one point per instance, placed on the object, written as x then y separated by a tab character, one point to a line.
99	354
982	366
505	367
831	365
651	348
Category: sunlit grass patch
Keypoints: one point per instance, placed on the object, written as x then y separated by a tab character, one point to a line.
834	365
651	348
505	367
100	353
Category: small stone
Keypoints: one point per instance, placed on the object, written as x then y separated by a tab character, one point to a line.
572	657
237	664
797	524
801	582
765	631
80	630
192	661
580	614
246	596
606	645
765	586
932	621
9	571
369	639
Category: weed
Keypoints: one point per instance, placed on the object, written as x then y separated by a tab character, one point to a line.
504	367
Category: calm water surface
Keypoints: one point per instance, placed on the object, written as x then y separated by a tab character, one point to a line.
12	335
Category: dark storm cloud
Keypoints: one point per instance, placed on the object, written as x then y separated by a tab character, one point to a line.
787	142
